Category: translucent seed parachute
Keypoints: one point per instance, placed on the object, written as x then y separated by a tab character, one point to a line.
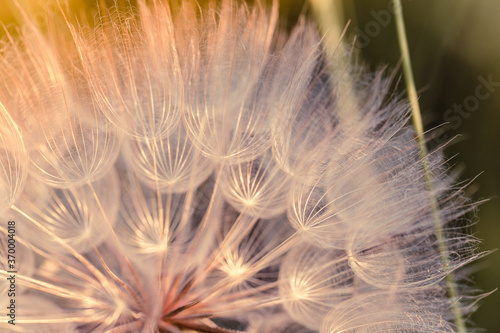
194	168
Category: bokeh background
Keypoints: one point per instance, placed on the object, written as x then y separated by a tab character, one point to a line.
455	49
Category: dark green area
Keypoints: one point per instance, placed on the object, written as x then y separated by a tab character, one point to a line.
454	47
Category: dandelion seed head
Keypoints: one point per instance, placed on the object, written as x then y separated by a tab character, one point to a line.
197	169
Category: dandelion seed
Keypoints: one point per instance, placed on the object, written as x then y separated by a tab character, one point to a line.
14	160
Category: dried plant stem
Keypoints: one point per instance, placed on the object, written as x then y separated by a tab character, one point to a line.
329	16
419	129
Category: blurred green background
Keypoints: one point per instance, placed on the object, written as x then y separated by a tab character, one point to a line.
455	49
